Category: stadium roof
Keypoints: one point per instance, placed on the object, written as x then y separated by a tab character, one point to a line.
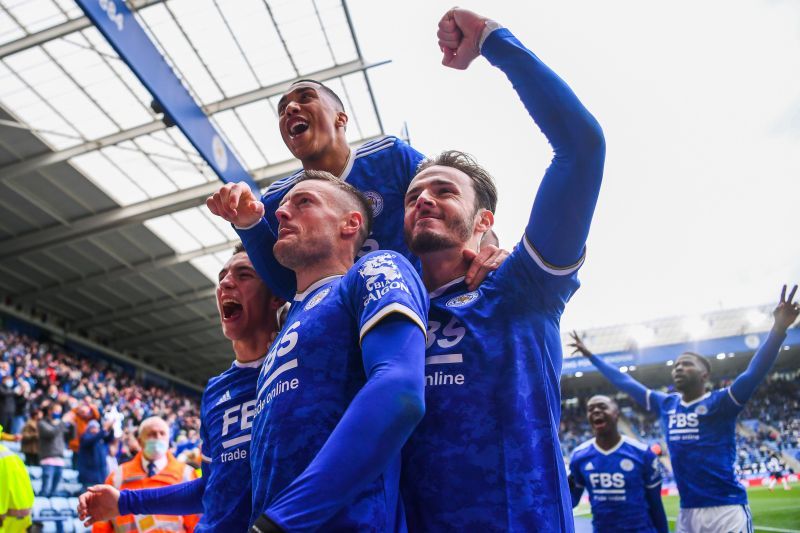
102	233
719	334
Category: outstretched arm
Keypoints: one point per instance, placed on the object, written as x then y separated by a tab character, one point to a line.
641	394
182	499
562	212
746	384
369	436
104	502
237	204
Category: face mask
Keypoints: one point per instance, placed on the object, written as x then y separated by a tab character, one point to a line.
56	416
155	448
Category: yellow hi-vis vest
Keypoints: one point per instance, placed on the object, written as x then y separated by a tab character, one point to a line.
16	493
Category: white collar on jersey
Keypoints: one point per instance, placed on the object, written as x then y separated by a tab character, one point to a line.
250	364
440	290
300	296
700	399
348	166
612	450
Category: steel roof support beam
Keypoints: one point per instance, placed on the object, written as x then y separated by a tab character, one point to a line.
60	30
131	214
36	162
156	305
136	268
134	342
202	350
135	213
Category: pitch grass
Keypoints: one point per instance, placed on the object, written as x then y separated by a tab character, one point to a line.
779	509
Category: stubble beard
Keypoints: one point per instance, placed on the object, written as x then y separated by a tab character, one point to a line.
429	241
299	255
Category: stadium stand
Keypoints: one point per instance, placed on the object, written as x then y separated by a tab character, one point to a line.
53	374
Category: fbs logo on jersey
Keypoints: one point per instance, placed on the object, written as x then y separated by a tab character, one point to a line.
381	275
626	465
224	398
463	299
317	298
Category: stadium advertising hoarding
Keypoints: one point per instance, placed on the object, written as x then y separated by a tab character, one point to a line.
661	354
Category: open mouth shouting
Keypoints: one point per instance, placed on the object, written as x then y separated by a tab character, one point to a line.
296	126
231	309
598	421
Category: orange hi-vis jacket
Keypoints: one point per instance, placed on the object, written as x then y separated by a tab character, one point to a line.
80	427
132	476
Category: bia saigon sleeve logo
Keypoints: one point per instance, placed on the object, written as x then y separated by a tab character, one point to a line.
381	275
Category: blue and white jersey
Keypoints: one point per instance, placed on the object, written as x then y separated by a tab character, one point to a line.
486	457
382	170
616	480
313	371
702	446
227	413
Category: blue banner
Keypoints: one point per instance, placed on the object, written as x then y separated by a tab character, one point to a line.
662	354
116	22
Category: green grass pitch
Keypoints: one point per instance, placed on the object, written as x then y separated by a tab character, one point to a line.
777	511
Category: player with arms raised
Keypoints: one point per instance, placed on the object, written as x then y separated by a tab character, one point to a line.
700	427
312	123
486	457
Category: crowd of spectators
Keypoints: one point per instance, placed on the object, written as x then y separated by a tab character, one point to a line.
69	410
575	427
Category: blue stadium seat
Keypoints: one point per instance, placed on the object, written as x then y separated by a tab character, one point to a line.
61	506
78	527
69	475
71	488
37	485
40	505
51	527
35	472
13	445
73	505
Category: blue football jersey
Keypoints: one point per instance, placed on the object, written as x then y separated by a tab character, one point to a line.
382	170
486	457
313	371
616	480
701	437
227	413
